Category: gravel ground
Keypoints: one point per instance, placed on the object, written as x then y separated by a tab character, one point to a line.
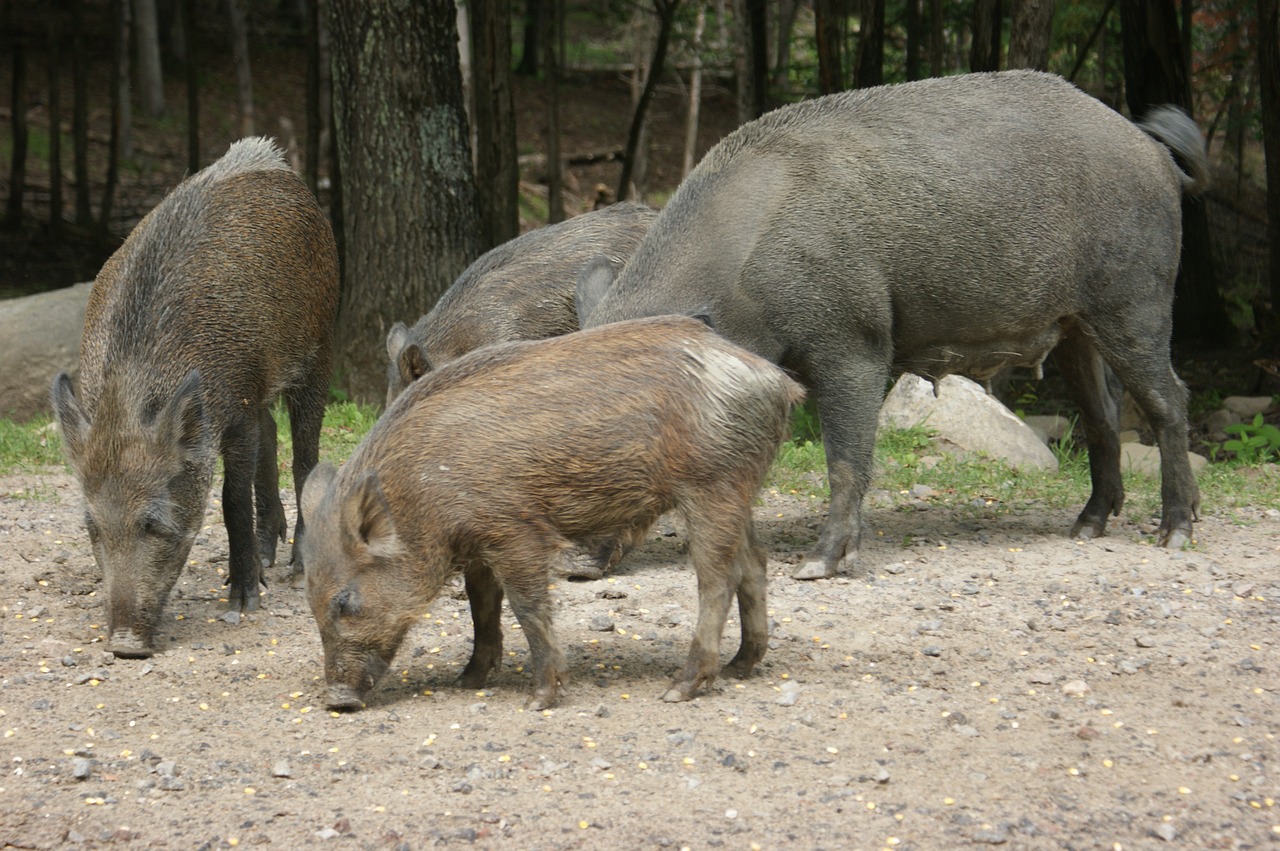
980	681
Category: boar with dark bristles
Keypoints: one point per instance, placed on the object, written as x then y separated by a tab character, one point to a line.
222	298
499	461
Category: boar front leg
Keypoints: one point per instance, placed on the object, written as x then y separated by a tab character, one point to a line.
848	395
239	461
271	525
485	595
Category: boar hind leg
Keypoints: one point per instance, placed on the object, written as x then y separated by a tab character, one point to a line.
524	579
306	415
752	570
1096	393
239	456
485	595
714	546
271	525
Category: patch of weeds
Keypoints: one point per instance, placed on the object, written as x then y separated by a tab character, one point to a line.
800	467
1253	443
26	447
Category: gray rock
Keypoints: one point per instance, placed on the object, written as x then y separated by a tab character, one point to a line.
282	769
601	623
1050	428
41	336
1146	459
81	768
1246	407
965	417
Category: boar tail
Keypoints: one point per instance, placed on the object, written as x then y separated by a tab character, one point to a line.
1176	131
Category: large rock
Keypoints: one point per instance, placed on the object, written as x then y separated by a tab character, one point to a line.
965	417
41	335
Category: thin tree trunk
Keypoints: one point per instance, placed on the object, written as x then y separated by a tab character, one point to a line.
55	123
534	14
80	116
782	50
125	89
1029	34
497	172
666	10
695	94
985	52
915	36
1269	77
829	35
193	87
1093	36
314	122
150	76
757	54
935	38
244	76
119	55
21	134
869	68
551	73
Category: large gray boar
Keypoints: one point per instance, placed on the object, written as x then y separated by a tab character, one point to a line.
222	298
962	224
498	462
520	290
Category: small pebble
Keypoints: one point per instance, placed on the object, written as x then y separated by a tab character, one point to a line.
1076	687
81	768
601	623
281	769
231	617
1165	831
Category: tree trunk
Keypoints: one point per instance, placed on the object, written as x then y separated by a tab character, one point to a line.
666	10
869	68
828	25
409	198
915	36
119	58
1029	34
55	123
21	134
193	86
80	116
551	73
534	14
497	172
935	38
244	77
1156	73
147	36
695	94
757	95
1269	77
782	50
984	54
123	84
319	108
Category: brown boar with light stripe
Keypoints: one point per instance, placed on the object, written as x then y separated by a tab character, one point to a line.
499	461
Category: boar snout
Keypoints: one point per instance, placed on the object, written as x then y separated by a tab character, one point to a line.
352	680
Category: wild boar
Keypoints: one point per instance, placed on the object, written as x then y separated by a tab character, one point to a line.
520	290
497	462
961	224
222	298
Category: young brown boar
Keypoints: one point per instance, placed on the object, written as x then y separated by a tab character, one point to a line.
222	298
496	463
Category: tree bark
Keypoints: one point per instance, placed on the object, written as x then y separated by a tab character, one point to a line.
497	172
869	68
193	86
551	22
318	87
935	38
782	44
1156	73
244	75
1029	34
828	25
666	10
119	60
915	37
21	134
147	36
984	54
80	116
1269	77
534	14
409	202
55	123
695	94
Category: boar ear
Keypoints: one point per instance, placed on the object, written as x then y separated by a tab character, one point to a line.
412	363
314	489
396	339
367	515
71	419
593	282
181	423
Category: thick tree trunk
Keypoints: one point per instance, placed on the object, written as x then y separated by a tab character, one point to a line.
408	194
1269	77
497	172
1029	34
534	14
21	134
869	68
551	56
147	37
935	38
915	37
55	123
244	75
80	116
829	34
984	54
1156	73
119	56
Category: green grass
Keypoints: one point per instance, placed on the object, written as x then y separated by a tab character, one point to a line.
903	460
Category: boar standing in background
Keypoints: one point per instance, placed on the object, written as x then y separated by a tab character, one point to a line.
520	290
222	298
496	463
960	224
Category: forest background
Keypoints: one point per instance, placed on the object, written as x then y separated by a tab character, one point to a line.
473	122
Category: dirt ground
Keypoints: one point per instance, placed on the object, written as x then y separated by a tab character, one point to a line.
981	680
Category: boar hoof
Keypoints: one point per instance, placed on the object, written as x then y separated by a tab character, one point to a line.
127	645
343	699
543	698
1175	539
814	568
680	692
1086	530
